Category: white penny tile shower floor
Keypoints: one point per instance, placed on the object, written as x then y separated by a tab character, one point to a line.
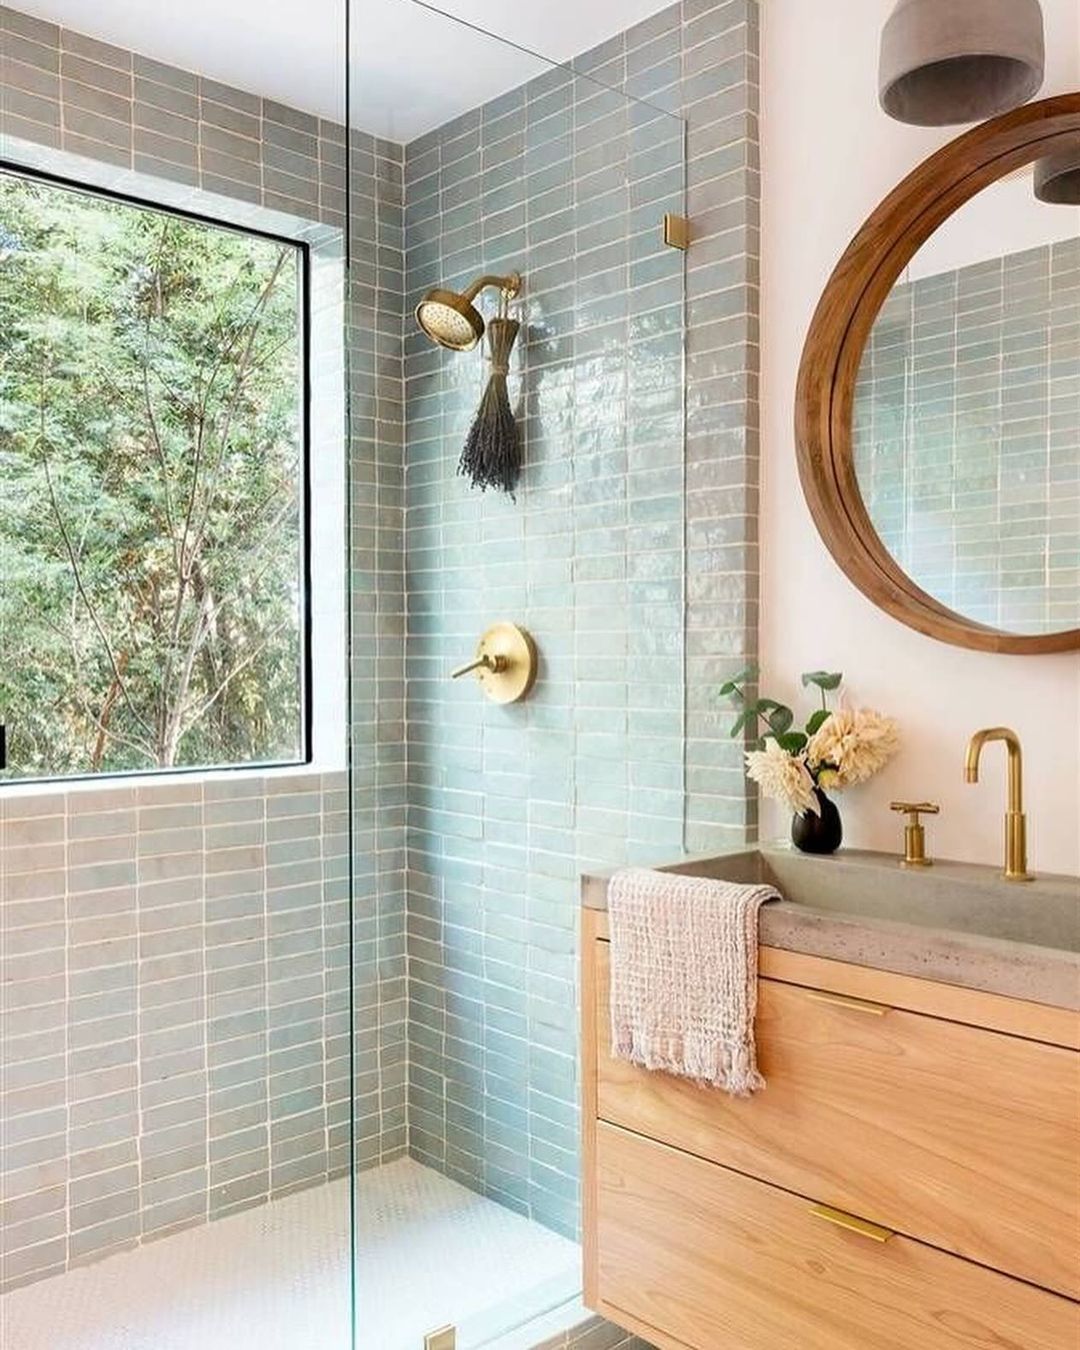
277	1277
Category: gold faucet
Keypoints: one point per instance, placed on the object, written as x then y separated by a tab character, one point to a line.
1015	822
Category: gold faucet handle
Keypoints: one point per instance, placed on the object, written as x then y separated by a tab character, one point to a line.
914	832
916	809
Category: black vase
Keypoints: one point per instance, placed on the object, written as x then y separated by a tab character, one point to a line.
818	834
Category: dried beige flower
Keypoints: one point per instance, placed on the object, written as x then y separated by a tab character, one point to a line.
856	743
784	777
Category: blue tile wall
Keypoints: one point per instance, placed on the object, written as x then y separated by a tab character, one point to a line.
631	551
377	637
187	1053
630	554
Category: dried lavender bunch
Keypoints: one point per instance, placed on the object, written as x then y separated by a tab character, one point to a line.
492	453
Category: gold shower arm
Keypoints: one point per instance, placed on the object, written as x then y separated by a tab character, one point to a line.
510	285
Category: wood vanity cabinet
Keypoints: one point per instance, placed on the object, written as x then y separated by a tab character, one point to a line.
908	1180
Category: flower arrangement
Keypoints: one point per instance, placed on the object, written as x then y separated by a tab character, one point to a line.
836	749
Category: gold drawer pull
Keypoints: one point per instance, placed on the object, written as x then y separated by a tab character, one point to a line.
846	1001
852	1223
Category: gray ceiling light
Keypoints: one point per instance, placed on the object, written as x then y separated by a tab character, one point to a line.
949	61
1057	177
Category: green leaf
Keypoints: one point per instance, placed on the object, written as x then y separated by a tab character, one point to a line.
741	721
778	715
791	741
780	720
732	686
817	721
824	679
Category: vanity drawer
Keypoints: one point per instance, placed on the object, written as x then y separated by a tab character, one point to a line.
716	1260
967	1139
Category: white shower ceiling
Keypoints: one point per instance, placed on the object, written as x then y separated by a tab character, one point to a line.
412	69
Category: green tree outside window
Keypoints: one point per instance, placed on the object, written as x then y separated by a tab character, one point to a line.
151	482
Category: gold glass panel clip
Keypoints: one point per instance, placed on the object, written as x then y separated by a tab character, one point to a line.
676	231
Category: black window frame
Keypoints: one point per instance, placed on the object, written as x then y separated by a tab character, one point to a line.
302	247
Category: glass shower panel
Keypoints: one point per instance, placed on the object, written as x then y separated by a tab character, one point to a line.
472	820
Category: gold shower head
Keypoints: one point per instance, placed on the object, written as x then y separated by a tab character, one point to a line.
452	320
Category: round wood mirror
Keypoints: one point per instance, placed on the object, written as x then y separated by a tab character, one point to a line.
938	403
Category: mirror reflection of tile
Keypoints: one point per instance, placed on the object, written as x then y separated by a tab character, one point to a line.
967	442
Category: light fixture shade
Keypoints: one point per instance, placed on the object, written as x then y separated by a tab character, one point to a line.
949	61
1057	177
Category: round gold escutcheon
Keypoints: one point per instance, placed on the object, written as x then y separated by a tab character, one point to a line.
505	663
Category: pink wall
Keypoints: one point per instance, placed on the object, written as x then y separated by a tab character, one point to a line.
829	154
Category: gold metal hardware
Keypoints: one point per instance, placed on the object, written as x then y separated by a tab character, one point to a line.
858	1005
496	664
452	320
914	832
445	1338
676	231
504	665
1015	820
852	1223
510	285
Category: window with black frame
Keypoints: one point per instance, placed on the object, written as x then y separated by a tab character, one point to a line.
153	605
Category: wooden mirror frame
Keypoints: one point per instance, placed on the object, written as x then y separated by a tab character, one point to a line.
825	393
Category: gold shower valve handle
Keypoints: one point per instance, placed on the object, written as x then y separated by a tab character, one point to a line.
914	832
504	665
496	664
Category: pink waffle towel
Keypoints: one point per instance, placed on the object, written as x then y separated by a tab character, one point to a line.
684	954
